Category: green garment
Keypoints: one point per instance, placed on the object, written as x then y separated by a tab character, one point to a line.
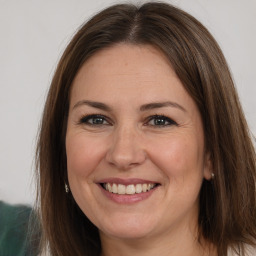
14	226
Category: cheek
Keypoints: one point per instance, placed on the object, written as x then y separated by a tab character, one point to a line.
179	156
83	154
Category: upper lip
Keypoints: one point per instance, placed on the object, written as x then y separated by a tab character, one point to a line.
127	181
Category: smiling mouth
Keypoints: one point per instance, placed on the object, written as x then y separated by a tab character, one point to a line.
130	189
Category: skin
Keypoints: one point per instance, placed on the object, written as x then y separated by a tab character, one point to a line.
130	143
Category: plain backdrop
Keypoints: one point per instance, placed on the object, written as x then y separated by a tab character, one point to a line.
33	37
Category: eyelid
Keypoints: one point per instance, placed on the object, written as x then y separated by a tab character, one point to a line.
84	119
164	117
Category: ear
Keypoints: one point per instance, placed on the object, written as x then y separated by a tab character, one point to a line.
208	169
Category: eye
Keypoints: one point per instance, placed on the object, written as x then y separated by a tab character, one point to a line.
94	120
160	120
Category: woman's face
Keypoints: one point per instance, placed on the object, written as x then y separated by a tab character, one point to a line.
135	144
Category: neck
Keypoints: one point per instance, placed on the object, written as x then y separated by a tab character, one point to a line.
182	244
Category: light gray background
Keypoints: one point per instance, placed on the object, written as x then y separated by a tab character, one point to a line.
33	36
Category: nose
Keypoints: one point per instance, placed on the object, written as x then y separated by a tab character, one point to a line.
126	149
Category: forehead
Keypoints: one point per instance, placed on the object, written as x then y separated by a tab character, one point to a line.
122	64
125	59
123	53
128	71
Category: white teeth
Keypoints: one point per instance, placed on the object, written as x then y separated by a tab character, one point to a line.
138	188
144	187
114	188
108	187
120	189
129	189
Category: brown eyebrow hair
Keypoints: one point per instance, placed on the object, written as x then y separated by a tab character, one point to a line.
93	104
161	105
144	107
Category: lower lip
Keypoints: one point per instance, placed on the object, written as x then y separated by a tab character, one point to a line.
127	199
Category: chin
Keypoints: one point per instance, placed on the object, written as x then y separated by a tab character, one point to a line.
129	229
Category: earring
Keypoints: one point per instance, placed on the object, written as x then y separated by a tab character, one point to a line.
213	175
66	188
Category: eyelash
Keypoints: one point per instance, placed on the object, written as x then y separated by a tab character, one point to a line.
85	120
161	118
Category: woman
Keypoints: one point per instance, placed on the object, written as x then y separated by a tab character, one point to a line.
143	147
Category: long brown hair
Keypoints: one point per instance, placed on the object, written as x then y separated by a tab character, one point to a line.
227	216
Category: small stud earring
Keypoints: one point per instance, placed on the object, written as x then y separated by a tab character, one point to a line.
213	175
66	188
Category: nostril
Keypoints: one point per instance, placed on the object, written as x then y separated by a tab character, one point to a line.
125	159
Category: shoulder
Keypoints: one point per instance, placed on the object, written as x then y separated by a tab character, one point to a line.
249	251
14	221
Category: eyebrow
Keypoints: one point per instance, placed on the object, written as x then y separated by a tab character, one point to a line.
93	104
145	107
155	105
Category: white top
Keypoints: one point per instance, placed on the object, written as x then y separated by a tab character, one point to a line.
250	251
